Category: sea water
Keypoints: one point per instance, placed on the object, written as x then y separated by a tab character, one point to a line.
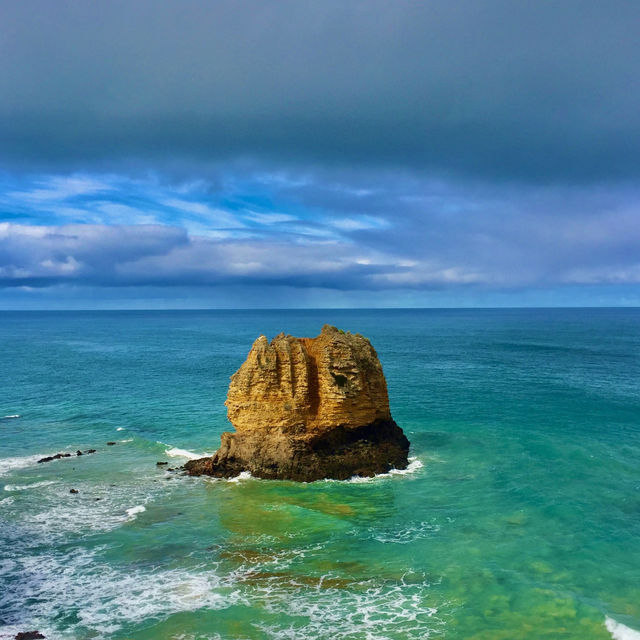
519	515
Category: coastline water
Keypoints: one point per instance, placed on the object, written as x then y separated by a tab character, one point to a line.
519	516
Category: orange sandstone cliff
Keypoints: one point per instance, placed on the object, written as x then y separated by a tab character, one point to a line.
306	409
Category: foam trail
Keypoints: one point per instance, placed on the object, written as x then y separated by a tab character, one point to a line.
24	487
414	465
106	599
619	631
7	465
183	453
245	475
135	510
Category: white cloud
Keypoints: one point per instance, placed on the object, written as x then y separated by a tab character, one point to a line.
270	218
117	213
57	188
66	266
359	223
419	234
213	217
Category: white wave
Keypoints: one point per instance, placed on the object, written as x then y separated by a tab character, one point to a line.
103	598
15	415
7	465
135	510
405	535
91	596
9	500
24	487
120	429
363	610
245	475
183	453
414	465
619	631
127	440
101	508
9	632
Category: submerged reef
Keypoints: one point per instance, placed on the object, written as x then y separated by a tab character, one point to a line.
306	409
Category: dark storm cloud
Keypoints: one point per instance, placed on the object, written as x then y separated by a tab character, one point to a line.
497	89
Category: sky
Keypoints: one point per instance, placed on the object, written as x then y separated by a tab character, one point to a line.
251	154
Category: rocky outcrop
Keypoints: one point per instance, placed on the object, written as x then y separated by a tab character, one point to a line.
306	409
59	456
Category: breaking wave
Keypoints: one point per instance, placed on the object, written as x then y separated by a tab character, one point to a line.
414	465
24	487
103	599
176	452
619	631
7	465
135	511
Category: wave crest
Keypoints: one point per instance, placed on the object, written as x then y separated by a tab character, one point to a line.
619	631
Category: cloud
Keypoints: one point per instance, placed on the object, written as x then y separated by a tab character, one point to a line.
324	234
313	147
212	217
528	91
41	256
270	218
424	236
55	188
358	224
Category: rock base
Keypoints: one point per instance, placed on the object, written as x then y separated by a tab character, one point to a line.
290	453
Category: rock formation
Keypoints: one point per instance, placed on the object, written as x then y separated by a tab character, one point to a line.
306	409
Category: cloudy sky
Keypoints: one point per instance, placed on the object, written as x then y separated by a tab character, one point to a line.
243	153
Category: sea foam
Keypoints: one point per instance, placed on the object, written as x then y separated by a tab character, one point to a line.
135	510
244	475
25	487
406	535
619	631
97	508
101	597
7	465
414	465
175	452
365	610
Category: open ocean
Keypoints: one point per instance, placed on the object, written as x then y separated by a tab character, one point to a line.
518	518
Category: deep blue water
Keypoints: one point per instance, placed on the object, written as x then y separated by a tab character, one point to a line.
520	517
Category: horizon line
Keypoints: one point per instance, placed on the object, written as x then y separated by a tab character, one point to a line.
263	309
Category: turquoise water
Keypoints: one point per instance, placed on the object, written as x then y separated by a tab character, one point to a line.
519	518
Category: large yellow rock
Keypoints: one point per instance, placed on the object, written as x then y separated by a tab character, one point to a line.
308	408
310	383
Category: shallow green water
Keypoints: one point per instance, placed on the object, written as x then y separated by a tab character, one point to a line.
520	517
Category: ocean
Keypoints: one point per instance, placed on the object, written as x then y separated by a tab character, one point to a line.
518	518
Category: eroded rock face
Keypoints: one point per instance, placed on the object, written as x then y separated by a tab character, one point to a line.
308	408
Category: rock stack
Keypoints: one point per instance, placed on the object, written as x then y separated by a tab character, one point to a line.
306	409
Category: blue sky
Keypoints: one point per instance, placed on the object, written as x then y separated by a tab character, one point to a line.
296	155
